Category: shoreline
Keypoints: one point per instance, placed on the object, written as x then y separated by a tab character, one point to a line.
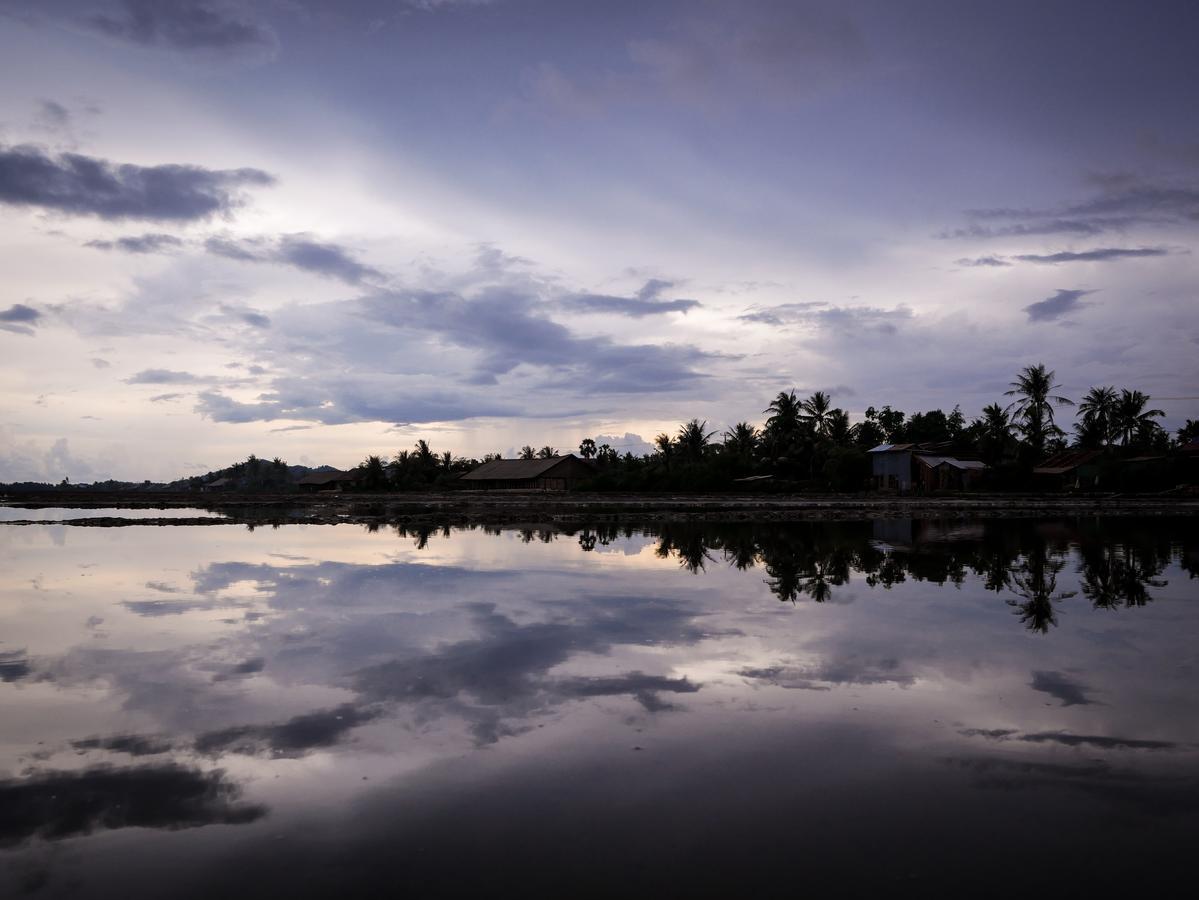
521	508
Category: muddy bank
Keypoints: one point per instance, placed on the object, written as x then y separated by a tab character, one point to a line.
519	508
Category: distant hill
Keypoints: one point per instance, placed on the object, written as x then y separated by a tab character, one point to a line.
252	474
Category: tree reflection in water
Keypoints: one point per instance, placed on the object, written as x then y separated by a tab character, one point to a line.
1119	561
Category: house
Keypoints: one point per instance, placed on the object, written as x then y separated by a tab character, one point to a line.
891	467
219	484
1070	469
327	480
558	473
947	473
927	467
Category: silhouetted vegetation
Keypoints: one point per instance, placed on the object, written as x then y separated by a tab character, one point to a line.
802	444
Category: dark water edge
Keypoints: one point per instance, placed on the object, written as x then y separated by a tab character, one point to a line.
646	708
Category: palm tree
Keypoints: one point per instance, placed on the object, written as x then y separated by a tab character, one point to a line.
741	440
1034	388
996	431
424	456
693	438
527	452
587	448
1132	421
815	410
838	429
1098	410
547	452
785	413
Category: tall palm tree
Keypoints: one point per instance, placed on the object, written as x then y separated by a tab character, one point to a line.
996	431
838	429
1132	421
587	448
815	410
424	456
547	452
1034	391
1098	412
693	438
741	440
527	452
785	413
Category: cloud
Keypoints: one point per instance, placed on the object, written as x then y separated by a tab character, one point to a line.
302	251
1105	254
165	376
822	676
1093	740
1060	304
983	261
163	398
295	737
645	303
143	243
845	319
187	25
84	185
14	665
19	319
101	363
130	744
155	608
1062	687
57	805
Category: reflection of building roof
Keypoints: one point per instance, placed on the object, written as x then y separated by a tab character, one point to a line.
319	478
515	469
1066	461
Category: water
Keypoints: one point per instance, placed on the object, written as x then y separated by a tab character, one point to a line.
976	707
59	513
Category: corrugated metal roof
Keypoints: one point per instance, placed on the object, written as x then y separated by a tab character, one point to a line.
326	477
514	469
964	463
1066	461
890	448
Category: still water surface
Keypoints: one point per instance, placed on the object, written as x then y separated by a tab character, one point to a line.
976	707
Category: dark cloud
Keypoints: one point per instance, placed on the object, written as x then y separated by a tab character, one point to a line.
19	319
830	672
130	744
142	243
163	587
295	737
1061	687
1060	304
984	261
501	328
56	805
258	320
503	675
14	665
299	250
647	302
187	25
1093	740
84	185
154	608
994	734
161	376
1035	229
163	398
845	319
1105	254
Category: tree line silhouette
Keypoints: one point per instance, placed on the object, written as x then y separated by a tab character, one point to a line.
807	442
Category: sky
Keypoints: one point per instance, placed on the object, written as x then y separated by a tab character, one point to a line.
318	231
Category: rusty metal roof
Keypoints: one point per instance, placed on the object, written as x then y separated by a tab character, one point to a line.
515	469
1066	461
